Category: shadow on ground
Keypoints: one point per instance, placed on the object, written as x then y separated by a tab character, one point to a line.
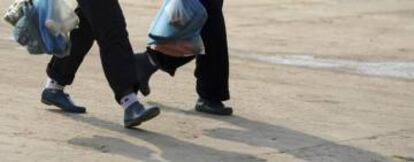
115	146
172	149
286	141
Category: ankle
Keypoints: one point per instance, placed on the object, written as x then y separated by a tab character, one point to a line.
128	100
52	84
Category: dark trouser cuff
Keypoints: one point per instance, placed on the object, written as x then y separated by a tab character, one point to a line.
223	97
60	79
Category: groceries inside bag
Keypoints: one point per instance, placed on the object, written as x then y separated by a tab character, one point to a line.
177	26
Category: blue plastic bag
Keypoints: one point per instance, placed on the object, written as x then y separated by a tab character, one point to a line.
179	21
56	44
26	30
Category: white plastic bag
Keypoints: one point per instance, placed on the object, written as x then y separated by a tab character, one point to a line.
56	19
61	18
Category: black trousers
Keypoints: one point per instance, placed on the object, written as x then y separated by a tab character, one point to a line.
103	21
212	69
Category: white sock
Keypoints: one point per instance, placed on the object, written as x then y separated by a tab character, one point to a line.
128	100
52	84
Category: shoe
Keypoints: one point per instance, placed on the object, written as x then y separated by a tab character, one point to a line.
145	68
61	100
137	113
150	61
213	107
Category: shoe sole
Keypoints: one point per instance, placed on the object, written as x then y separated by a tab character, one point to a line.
145	117
53	104
227	112
46	102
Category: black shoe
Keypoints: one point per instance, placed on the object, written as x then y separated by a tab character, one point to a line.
61	100
145	68
137	113
213	107
150	61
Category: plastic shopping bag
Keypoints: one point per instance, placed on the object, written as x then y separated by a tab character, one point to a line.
56	20
61	17
177	26
177	13
26	30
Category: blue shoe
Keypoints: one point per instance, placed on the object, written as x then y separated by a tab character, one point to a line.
213	107
137	113
61	100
